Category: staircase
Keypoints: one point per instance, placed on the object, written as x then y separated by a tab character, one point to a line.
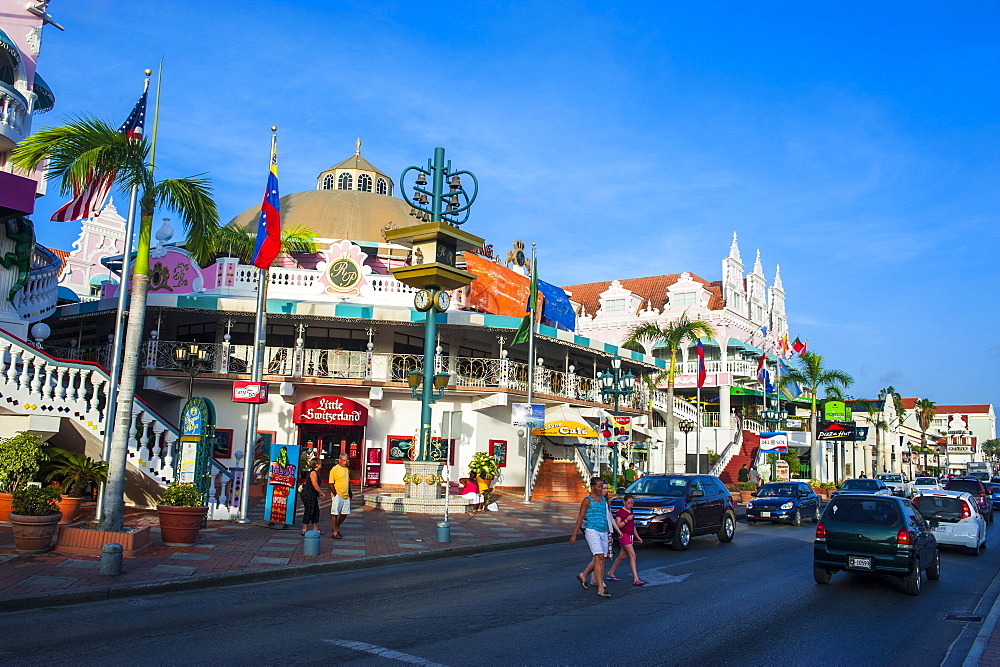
746	454
558	481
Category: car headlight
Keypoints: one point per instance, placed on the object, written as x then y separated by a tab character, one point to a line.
663	510
750	505
788	505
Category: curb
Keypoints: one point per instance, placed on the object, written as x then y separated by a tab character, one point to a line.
986	628
114	592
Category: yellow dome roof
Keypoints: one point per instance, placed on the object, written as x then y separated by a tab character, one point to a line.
338	214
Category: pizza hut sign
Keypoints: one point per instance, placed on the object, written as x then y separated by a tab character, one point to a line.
249	392
331	410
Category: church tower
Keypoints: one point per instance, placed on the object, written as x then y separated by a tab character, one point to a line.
776	303
756	293
733	290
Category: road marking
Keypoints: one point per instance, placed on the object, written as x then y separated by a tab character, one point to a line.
657	577
380	651
684	562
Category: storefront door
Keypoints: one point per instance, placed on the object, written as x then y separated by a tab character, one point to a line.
331	425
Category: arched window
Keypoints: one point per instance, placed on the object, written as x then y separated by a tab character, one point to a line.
7	68
344	181
328	182
365	183
381	187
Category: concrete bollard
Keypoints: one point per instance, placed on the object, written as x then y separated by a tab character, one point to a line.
310	543
111	559
444	531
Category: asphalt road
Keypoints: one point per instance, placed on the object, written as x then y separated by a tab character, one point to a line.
749	602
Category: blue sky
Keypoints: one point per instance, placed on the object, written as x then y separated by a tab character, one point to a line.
855	144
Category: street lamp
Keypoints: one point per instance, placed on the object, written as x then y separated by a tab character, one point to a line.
436	242
192	359
686	426
614	384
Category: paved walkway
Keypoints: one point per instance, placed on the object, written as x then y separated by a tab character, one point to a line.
227	550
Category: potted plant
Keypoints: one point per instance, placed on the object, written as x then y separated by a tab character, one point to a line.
485	466
34	518
74	472
746	491
734	491
182	512
21	456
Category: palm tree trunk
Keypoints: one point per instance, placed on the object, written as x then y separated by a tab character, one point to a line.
112	516
670	446
816	451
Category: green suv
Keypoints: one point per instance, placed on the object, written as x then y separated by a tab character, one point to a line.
881	534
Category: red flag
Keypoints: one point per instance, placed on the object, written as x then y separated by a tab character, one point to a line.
701	365
798	346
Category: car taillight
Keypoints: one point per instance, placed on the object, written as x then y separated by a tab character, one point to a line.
966	510
820	531
904	537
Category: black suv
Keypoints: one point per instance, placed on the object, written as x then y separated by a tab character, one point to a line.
882	534
977	489
676	507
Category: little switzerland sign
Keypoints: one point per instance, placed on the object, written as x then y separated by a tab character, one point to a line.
331	410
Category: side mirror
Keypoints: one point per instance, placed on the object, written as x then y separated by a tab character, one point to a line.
697	493
933	523
754	493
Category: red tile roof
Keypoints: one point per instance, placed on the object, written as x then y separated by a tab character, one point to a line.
62	255
910	403
653	289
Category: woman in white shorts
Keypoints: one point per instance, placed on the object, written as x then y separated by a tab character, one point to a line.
594	508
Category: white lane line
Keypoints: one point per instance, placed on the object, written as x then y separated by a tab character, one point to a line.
655	577
683	562
380	652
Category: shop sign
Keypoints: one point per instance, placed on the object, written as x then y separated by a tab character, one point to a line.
245	391
566	429
711	380
835	411
373	467
282	473
793	423
330	410
774	443
531	415
960	449
343	270
615	430
835	430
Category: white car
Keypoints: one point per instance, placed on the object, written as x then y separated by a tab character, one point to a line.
957	516
926	484
896	482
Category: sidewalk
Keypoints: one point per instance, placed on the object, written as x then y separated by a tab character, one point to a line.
234	553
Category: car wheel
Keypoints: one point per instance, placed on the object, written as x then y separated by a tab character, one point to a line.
682	534
816	514
821	575
934	571
913	580
797	519
728	528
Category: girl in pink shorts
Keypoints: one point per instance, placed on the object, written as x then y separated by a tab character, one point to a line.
625	521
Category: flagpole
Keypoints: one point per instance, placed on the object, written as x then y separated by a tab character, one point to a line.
531	382
697	446
256	372
111	407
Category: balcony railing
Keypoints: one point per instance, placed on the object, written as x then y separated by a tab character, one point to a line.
15	121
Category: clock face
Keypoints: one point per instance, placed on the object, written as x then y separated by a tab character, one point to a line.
442	300
422	300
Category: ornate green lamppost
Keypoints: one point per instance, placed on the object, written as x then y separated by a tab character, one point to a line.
614	384
440	203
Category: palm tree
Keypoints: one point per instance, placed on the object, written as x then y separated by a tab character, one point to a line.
991	449
86	148
876	418
925	410
240	241
672	337
812	376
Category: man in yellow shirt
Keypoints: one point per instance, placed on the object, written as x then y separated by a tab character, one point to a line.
340	494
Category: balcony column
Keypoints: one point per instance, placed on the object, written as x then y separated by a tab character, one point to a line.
725	410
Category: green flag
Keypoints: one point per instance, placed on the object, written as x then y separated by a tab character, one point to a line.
524	330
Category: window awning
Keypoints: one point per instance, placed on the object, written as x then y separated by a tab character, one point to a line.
8	45
46	98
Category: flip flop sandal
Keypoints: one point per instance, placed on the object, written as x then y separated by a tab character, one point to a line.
604	595
610	578
638	583
582	582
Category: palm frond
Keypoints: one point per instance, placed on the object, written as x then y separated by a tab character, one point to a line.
191	199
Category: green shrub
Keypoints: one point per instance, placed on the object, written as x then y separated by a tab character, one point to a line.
75	471
484	465
35	501
746	486
182	495
21	456
733	487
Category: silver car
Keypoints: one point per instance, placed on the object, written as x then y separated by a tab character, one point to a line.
926	484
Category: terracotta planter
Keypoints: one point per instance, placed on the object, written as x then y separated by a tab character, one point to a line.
6	500
69	507
84	540
736	496
179	526
746	496
33	534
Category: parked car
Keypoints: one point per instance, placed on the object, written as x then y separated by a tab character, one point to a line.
977	490
863	485
676	507
960	523
896	482
881	534
994	490
785	502
926	484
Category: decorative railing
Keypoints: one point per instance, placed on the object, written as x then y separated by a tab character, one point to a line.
727	454
738	367
36	300
15	122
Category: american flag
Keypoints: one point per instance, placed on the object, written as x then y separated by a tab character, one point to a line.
88	200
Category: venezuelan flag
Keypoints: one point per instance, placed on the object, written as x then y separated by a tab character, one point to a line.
269	225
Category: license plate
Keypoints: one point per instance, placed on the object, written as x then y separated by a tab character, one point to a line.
941	529
765	514
859	563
